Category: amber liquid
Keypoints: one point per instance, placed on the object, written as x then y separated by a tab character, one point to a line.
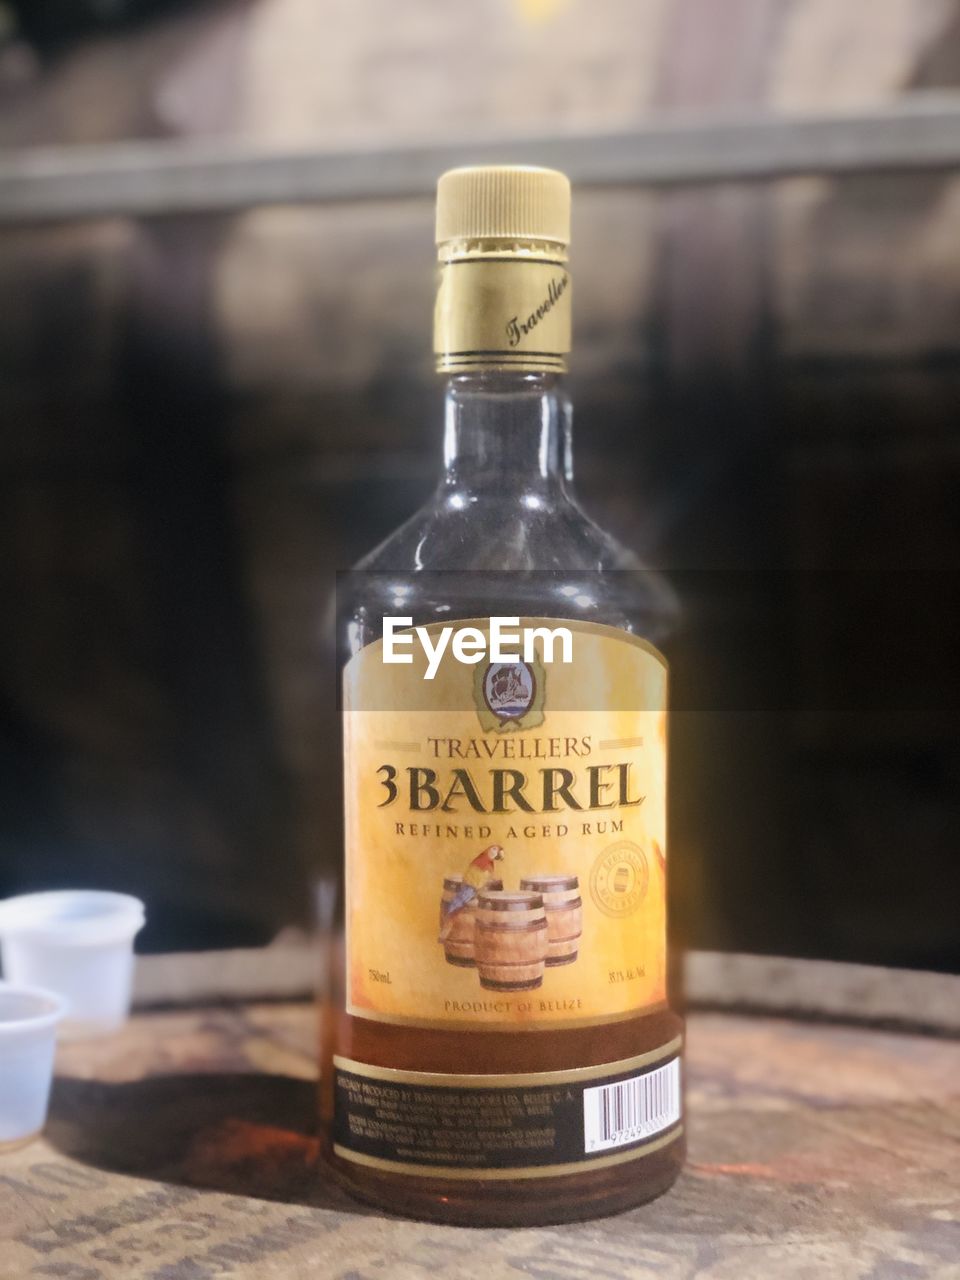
527	1201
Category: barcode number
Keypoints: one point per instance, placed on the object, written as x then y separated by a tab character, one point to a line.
614	1114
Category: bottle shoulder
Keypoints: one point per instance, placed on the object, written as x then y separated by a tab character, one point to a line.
517	531
531	555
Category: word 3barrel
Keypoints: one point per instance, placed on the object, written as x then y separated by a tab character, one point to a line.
458	930
564	908
511	940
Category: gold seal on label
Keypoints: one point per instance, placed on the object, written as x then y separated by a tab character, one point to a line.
619	879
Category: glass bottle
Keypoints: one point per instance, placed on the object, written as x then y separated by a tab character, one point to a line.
502	536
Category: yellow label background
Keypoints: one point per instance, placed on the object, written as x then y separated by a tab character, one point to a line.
394	882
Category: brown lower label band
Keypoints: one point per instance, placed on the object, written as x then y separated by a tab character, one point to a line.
524	1126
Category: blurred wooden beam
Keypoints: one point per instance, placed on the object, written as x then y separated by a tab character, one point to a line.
153	179
293	968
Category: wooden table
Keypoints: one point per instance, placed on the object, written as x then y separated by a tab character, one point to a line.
184	1148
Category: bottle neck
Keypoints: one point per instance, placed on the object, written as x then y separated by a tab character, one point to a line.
506	433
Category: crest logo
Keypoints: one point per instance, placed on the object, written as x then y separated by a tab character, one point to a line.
508	689
509	695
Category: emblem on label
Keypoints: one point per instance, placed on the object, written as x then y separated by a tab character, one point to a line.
619	879
510	695
508	689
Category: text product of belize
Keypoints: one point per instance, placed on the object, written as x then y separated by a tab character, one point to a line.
498	1044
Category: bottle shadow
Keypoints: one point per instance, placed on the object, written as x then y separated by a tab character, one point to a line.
237	1133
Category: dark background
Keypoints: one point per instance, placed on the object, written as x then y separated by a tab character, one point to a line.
206	417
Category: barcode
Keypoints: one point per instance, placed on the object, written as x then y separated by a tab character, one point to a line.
614	1114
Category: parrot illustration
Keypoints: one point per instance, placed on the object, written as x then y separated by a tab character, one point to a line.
476	877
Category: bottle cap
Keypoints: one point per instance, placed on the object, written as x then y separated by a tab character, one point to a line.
503	298
503	202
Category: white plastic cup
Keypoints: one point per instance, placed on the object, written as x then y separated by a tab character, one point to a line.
28	1040
79	944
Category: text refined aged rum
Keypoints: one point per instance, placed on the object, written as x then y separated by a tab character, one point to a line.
498	1043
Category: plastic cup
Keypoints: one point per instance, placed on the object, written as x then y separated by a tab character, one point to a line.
28	1039
79	944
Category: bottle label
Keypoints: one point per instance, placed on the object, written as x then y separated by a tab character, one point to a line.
505	834
503	313
536	1125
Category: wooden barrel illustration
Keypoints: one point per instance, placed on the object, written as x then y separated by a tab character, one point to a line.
458	944
511	940
564	908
